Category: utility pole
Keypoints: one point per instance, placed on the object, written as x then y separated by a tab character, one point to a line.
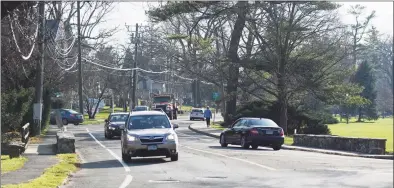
133	97
37	107
80	79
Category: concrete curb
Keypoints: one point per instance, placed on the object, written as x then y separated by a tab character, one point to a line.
202	132
387	157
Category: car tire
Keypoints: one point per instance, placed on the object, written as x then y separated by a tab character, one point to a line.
254	146
65	122
126	158
191	119
223	141
174	157
243	143
276	147
105	134
76	123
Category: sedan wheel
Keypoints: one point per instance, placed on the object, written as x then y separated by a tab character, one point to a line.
243	143
65	122
223	141
276	147
255	146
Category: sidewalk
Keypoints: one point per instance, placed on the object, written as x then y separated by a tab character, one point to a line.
40	156
202	129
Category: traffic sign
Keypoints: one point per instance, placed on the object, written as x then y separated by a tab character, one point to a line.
215	96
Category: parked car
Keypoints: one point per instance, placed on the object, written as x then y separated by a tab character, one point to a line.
140	108
197	113
113	123
68	116
253	132
149	133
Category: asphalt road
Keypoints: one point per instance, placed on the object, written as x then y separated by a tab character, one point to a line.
202	162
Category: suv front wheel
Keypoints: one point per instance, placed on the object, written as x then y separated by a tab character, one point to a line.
174	157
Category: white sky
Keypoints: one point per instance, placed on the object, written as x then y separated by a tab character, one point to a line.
131	13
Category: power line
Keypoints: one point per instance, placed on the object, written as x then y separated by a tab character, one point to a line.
16	43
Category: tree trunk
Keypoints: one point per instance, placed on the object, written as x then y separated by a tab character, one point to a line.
232	55
359	114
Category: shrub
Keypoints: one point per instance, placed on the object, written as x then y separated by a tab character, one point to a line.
329	119
14	106
316	128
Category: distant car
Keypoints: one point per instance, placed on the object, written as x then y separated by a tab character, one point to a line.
68	116
158	109
141	108
253	132
197	113
149	133
113	123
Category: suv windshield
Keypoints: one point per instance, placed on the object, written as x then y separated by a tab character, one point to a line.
149	122
261	122
197	111
118	118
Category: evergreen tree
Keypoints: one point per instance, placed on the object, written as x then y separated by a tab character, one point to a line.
365	78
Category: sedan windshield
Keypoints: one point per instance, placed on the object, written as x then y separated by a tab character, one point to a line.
261	123
149	122
118	118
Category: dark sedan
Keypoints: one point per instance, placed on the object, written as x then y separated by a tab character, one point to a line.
253	132
113	123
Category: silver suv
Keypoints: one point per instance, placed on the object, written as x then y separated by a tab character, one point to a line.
149	133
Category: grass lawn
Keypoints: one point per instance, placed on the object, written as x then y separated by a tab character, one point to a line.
186	108
381	128
52	176
9	165
100	116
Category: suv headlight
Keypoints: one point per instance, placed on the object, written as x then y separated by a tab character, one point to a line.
171	137
130	138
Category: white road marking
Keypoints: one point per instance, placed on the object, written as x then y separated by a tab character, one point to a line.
126	181
125	166
128	178
234	158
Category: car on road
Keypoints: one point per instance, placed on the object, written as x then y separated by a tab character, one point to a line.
113	123
158	109
253	132
149	133
197	113
140	108
68	116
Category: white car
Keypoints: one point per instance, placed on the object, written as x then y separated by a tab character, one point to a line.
197	113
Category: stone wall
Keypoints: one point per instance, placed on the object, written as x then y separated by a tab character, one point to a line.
350	144
65	142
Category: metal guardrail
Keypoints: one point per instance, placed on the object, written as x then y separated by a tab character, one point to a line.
25	132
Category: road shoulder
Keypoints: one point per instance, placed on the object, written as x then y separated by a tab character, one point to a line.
202	129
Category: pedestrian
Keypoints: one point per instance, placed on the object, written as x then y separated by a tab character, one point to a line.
207	116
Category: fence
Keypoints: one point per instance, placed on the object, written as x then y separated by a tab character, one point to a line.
25	132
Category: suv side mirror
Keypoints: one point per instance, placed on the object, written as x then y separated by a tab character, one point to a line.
175	126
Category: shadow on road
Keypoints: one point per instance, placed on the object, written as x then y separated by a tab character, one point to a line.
146	161
239	148
102	164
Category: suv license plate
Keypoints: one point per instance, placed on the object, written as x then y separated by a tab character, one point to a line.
268	132
152	147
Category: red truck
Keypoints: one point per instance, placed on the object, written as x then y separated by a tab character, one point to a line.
166	102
